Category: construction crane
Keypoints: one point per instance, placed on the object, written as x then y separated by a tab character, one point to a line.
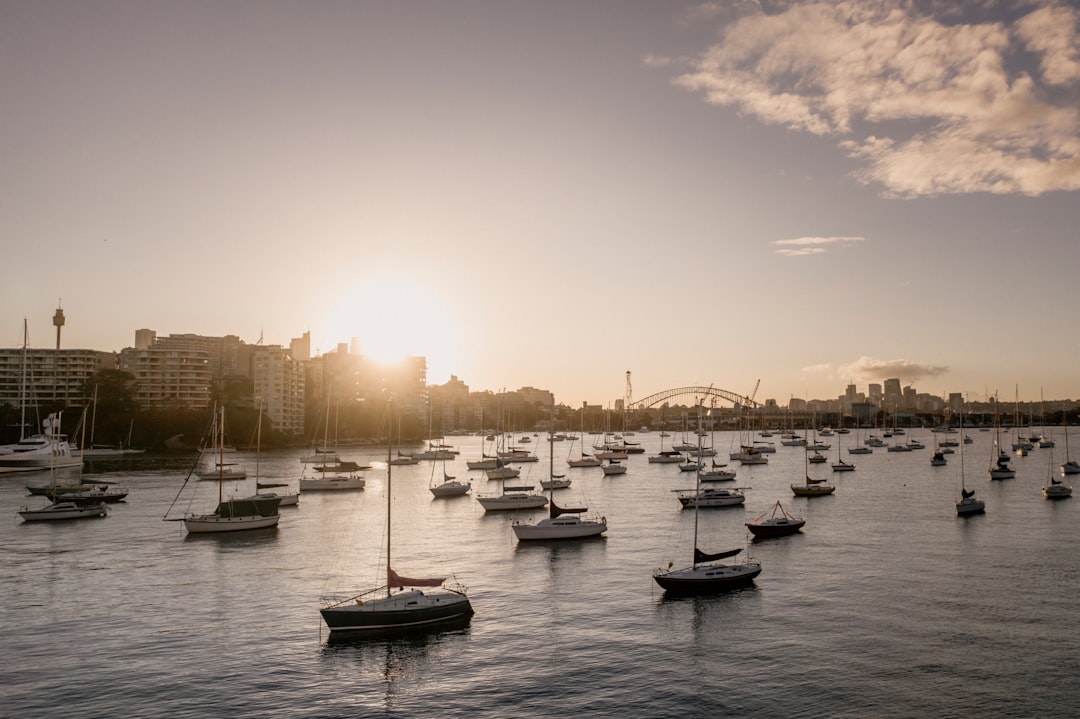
750	397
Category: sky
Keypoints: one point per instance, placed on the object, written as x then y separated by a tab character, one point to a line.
805	194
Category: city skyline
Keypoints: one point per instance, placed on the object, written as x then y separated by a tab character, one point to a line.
883	392
807	194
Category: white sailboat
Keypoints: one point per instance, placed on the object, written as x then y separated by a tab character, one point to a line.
450	486
329	471
584	460
561	522
418	604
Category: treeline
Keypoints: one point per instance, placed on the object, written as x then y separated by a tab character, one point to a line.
113	418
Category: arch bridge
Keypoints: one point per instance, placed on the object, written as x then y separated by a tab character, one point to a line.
693	395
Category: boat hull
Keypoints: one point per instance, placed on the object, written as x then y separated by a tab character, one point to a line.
212	523
402	612
765	530
311	485
560	528
970	506
451	489
66	510
707	578
1057	491
812	490
532	501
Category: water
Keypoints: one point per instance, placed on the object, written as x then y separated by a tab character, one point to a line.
886	605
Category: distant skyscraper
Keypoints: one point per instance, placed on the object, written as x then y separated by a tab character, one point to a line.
874	390
893	394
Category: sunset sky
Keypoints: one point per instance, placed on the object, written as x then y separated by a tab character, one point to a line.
553	193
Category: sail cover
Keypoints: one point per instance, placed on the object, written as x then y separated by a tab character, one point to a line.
700	556
967	493
556	510
393	579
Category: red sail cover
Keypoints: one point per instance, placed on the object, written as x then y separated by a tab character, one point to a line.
393	579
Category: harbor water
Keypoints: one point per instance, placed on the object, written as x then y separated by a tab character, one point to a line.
885	605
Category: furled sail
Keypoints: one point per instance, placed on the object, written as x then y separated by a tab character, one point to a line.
393	579
700	556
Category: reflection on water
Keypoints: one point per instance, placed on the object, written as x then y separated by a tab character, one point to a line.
130	615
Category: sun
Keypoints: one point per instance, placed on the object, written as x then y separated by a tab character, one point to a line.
390	319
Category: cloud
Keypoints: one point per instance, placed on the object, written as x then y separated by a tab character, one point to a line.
930	104
870	369
801	246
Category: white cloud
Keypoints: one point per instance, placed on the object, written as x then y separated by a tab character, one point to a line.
801	246
871	369
931	105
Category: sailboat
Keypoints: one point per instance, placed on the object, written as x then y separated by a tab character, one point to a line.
716	473
967	503
231	515
937	459
288	499
1000	468
584	460
1070	466
778	523
859	448
332	473
515	497
840	465
1055	488
450	486
812	487
64	509
214	466
561	522
706	574
105	451
380	611
665	456
85	492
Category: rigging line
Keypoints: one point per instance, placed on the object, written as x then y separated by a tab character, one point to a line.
191	470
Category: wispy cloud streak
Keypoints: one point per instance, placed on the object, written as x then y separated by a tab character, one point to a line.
801	246
930	104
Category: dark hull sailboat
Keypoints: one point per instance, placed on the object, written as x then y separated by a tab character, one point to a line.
706	576
382	612
406	610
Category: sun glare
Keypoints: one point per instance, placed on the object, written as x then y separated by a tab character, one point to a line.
391	320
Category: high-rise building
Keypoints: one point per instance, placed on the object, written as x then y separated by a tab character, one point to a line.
278	381
168	376
31	376
893	395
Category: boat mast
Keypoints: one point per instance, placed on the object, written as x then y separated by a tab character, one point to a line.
389	486
221	456
22	384
697	484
